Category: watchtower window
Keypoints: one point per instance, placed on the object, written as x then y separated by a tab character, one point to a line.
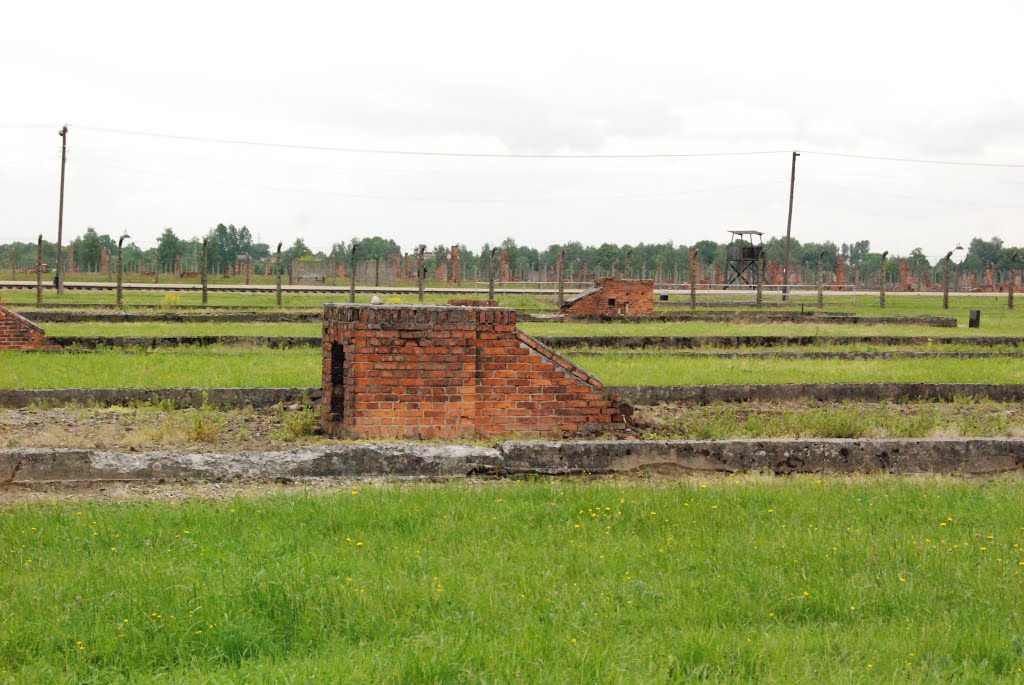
337	379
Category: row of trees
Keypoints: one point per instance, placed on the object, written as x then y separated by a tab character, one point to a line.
226	242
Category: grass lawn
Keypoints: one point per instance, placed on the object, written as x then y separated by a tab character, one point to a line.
750	579
174	329
226	366
669	369
168	367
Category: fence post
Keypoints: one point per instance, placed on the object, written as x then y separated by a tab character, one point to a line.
1013	278
419	269
693	278
376	272
39	272
490	275
120	269
560	267
760	280
881	282
202	271
279	274
352	285
821	282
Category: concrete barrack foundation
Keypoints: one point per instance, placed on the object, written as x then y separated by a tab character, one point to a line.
968	456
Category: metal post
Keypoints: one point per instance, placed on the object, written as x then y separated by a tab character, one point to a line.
376	272
881	282
202	271
560	268
279	274
352	285
60	210
120	269
693	278
419	269
1013	277
821	282
490	275
789	226
39	272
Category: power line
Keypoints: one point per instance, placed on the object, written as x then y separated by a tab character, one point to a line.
912	160
417	153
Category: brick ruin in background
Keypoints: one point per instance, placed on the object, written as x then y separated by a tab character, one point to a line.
505	272
312	270
613	297
415	371
840	273
18	333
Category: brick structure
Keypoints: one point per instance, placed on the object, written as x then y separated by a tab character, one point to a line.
415	371
456	266
505	270
18	333
840	273
613	297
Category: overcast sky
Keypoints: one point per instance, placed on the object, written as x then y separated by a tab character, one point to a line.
928	80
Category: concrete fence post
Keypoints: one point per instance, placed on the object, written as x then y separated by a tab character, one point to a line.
279	274
945	281
760	281
352	285
693	278
120	269
376	272
560	268
420	269
39	271
1013	279
821	282
881	282
490	275
202	270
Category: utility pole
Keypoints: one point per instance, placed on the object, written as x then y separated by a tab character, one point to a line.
39	272
60	210
789	227
279	274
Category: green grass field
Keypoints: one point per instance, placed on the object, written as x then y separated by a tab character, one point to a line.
169	367
668	369
751	579
225	366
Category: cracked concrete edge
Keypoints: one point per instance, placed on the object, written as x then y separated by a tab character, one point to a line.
971	456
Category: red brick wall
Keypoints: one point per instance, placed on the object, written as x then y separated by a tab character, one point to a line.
442	372
613	297
18	333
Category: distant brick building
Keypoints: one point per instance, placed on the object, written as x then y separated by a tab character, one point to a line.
414	371
613	297
18	333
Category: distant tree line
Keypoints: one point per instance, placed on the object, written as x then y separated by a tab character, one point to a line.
664	261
